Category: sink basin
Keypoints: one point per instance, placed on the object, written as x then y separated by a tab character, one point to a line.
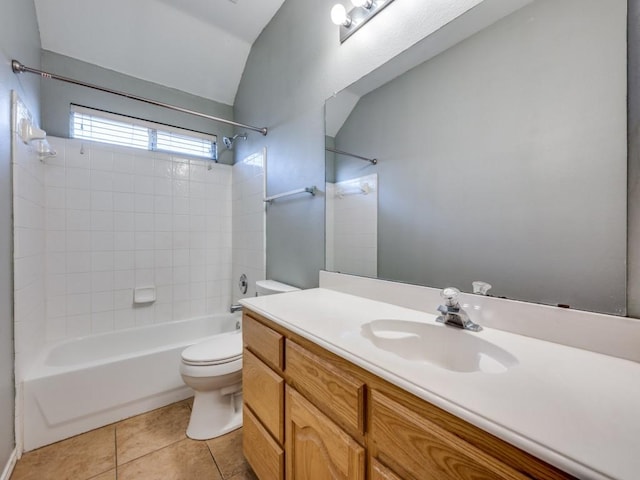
446	347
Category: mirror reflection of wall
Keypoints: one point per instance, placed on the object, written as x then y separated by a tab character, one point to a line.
503	159
352	226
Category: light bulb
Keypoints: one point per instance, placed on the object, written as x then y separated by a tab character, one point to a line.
339	15
362	3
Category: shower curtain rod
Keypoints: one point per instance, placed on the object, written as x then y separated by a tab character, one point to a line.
18	67
372	161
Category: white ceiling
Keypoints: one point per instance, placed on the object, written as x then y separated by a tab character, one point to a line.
197	46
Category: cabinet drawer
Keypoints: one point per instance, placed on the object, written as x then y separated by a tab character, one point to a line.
334	391
417	448
316	447
264	342
263	392
263	454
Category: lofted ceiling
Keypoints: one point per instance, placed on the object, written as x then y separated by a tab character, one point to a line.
197	46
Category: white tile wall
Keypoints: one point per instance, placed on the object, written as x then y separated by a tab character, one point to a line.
29	249
352	226
329	216
248	222
118	218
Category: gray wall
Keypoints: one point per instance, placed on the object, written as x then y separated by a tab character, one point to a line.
293	67
57	97
19	39
295	64
633	246
504	159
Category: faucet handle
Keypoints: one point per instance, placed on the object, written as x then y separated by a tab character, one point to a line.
450	296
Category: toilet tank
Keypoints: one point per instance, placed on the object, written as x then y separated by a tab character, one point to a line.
269	287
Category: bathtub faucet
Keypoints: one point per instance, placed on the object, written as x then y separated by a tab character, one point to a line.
235	308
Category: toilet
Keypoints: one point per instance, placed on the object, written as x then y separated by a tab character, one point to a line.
213	369
269	287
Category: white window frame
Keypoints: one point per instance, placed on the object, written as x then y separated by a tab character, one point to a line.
152	128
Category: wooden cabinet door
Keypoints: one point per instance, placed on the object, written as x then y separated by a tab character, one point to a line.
317	449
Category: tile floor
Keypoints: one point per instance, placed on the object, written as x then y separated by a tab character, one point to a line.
146	447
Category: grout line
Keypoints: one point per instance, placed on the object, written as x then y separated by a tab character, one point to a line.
157	450
115	446
214	460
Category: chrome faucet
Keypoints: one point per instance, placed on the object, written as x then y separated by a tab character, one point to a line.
453	314
235	308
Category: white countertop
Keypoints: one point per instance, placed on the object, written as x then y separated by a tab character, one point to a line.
573	408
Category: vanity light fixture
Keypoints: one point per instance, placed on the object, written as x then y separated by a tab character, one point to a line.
339	15
361	13
362	3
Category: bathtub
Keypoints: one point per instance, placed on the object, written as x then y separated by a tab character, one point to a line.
85	383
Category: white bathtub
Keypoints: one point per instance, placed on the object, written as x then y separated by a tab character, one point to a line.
81	384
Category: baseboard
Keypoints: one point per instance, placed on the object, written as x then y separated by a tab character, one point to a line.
11	463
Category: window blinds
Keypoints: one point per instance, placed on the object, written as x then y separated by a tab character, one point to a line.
105	127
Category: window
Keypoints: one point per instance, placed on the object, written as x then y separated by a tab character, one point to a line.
99	126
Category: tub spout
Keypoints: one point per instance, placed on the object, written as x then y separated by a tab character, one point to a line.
235	308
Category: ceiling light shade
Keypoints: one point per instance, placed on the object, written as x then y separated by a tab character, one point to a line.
339	15
362	3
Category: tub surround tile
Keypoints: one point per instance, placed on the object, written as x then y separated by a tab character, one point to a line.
227	452
80	457
248	225
30	253
138	436
112	212
186	459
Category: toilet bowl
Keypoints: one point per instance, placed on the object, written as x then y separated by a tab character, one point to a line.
213	369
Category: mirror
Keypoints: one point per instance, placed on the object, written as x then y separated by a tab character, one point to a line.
500	159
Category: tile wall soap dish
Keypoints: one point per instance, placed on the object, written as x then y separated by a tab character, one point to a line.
142	295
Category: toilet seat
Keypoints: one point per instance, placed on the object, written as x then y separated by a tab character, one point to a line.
218	350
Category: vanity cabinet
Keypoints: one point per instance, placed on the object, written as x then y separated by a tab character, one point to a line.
312	415
263	395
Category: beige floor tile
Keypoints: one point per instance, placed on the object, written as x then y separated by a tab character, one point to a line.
110	475
247	475
78	458
227	451
185	460
151	431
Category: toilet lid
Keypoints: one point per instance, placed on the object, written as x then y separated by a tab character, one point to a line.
216	350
